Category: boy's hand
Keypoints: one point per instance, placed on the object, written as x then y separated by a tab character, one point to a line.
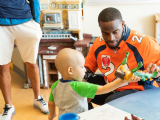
50	118
133	79
52	110
89	100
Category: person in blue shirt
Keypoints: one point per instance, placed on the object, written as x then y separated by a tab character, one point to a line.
19	23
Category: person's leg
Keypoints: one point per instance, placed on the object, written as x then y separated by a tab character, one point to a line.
33	74
6	48
27	39
28	44
5	83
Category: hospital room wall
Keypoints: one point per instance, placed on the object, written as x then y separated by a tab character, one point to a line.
139	17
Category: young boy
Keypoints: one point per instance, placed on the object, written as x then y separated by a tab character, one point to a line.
70	94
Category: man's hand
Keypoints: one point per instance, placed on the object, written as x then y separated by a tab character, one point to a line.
151	68
133	118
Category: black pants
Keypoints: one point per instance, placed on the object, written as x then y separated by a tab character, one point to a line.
104	98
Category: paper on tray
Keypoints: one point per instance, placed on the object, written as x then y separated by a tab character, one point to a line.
105	112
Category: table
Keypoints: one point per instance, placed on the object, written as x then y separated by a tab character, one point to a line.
145	104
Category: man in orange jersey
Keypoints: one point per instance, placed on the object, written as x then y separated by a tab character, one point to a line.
108	51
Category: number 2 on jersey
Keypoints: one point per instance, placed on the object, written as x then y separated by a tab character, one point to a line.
139	39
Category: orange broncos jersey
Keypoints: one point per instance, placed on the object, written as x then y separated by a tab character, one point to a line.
141	48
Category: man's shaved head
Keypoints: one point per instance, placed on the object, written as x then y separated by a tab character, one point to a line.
109	14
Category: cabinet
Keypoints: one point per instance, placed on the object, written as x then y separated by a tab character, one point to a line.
75	20
49	70
50	73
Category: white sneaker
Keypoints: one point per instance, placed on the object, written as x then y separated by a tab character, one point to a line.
8	112
41	104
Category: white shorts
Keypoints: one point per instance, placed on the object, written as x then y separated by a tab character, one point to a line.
26	36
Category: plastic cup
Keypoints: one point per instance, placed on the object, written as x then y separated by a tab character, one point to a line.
69	116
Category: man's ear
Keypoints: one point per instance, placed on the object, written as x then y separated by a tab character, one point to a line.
99	23
70	70
123	23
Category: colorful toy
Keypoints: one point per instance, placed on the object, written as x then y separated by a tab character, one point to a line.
61	18
127	74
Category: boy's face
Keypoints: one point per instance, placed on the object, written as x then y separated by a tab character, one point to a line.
79	69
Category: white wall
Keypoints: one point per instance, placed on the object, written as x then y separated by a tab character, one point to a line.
139	17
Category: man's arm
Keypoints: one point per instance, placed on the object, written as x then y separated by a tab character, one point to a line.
151	55
91	60
35	9
52	111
